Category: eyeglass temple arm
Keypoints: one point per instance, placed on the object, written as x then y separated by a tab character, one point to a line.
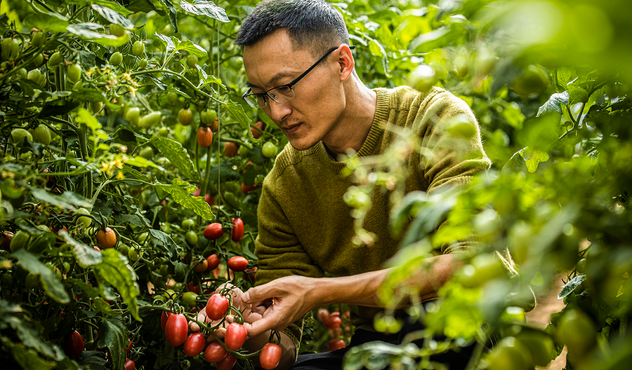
315	64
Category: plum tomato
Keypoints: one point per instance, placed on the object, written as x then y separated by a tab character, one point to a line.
237	263
256	133
194	345
138	48
185	116
74	72
216	306
176	329
333	322
214	352
129	364
235	336
189	299
270	356
116	59
231	149
200	266
73	343
213	231
227	363
191	237
213	261
335	344
204	136
106	238
238	230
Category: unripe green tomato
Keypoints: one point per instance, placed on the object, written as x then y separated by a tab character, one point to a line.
243	151
191	237
208	116
20	238
22	73
164	270
150	119
147	153
7	279
32	281
116	59
142	64
192	61
39	59
38	39
84	221
132	115
10	48
532	80
172	97
70	154
575	329
26	156
189	299
41	135
66	267
188	224
142	237
95	107
18	135
35	75
117	30
123	249
185	116
269	150
461	66
74	72
78	85
55	59
138	48
163	131
422	78
133	255
510	354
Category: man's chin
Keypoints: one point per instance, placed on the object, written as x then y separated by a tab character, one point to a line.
302	144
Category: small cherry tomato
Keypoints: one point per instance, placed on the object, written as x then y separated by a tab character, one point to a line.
132	115
270	356
227	363
150	119
204	137
213	261
256	133
194	345
188	224
333	322
106	238
235	336
230	149
269	150
185	116
55	59
238	230
237	263
74	72
216	306
189	299
117	30
73	343
335	344
213	231
192	61
201	266
129	364
208	116
191	237
116	59
176	329
214	352
138	48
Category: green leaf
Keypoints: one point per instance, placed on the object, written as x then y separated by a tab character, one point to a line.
435	39
516	163
89	32
177	155
113	335
53	287
571	285
29	359
206	8
554	103
537	157
238	113
180	190
57	108
378	50
192	48
91	291
115	269
47	22
113	16
164	240
88	95
577	94
142	162
67	200
85	255
173	13
168	42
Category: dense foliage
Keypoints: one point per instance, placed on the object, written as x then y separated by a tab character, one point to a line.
130	177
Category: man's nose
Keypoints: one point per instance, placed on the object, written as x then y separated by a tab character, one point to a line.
278	111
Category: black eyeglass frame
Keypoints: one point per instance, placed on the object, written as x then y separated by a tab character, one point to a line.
291	84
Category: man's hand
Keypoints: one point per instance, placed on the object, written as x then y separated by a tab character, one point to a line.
281	302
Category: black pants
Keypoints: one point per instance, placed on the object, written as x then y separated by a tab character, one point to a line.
333	359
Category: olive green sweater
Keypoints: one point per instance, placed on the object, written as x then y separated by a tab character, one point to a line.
305	227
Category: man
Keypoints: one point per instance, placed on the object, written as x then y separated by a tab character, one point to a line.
300	71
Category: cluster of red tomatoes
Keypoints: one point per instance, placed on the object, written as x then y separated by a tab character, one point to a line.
221	353
337	332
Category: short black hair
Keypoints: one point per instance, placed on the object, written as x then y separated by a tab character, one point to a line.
314	25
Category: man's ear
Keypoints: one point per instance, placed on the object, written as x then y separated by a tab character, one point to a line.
345	62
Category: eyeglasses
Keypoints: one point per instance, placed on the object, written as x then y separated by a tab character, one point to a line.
283	93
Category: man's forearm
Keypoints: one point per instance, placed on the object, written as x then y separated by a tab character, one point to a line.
361	290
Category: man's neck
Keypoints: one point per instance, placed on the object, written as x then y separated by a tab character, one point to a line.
355	122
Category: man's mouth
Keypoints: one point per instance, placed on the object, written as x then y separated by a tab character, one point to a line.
292	128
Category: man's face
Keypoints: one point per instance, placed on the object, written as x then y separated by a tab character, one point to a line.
319	101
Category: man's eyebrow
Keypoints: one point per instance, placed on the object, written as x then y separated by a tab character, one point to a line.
275	78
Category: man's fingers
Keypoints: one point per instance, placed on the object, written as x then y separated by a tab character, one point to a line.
261	293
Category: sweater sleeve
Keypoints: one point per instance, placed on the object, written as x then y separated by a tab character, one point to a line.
278	250
451	148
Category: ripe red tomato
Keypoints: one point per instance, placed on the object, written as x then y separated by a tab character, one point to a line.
193	288
204	136
231	149
238	230
73	343
335	344
333	322
256	133
129	348
270	356
129	364
208	198
237	263
176	329
227	363
213	231
185	116
106	238
214	352
216	307
194	344
201	266
213	262
235	336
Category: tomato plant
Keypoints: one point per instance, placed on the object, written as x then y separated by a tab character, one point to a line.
213	231
237	231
